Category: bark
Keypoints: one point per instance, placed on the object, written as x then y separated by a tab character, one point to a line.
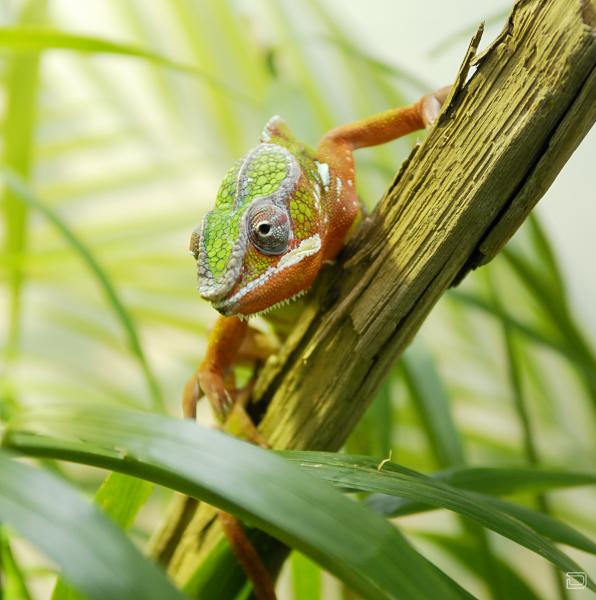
503	136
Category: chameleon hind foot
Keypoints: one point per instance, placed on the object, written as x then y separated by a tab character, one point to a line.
248	557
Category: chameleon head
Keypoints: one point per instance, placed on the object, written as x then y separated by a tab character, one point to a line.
261	244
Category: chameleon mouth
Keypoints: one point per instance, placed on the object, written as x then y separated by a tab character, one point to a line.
231	305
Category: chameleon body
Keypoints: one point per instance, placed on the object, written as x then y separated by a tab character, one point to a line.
282	211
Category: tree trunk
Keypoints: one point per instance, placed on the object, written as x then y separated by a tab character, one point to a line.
503	136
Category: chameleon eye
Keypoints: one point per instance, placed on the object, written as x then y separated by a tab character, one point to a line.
270	229
264	228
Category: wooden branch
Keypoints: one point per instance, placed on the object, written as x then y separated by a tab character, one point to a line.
499	143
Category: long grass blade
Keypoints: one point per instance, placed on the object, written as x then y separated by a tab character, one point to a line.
120	497
556	310
21	191
13	585
18	128
466	552
430	397
522	525
306	578
43	38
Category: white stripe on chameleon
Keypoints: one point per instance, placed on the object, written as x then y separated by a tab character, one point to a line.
317	194
323	169
307	247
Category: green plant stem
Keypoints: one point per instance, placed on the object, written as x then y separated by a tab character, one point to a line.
24	195
22	85
12	580
519	401
432	402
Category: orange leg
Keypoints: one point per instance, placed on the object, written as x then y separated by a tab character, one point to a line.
230	340
224	341
248	557
337	145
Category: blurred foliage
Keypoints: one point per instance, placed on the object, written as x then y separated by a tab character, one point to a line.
118	122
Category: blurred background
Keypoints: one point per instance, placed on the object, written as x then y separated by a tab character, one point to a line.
125	153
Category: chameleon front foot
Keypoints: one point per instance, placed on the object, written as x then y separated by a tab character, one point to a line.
430	105
212	386
228	407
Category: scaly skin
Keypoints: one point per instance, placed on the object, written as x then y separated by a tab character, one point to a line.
282	211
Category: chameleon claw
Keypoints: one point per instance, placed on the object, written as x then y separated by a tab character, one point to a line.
190	397
225	404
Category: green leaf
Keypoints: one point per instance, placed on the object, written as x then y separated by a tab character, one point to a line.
522	525
352	542
12	581
534	334
18	130
502	481
555	308
306	578
467	553
514	371
545	252
372	435
120	498
93	553
572	345
44	38
431	400
220	574
28	198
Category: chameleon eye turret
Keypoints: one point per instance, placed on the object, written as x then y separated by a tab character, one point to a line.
270	229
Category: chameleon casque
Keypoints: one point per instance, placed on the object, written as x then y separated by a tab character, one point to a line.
281	213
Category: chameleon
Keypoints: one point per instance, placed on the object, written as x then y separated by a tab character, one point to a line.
282	212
